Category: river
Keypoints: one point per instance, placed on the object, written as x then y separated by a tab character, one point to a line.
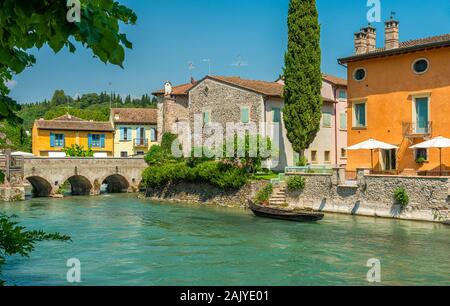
122	240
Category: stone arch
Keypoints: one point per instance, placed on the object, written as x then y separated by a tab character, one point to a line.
41	186
79	185
116	183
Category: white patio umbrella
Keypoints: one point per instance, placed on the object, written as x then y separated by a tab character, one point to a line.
371	145
438	143
20	153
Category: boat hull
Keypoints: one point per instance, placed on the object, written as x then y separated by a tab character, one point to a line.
272	213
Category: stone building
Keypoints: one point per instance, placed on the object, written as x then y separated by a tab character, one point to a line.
222	100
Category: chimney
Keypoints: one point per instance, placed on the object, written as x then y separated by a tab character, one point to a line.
371	38
360	43
391	34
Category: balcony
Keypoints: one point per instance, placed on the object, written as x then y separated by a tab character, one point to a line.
140	143
417	129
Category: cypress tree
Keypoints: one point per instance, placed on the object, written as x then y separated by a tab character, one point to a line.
302	73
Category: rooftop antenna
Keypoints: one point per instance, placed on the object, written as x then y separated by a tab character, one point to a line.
239	62
191	67
208	60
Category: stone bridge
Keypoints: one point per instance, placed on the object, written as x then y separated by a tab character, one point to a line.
85	175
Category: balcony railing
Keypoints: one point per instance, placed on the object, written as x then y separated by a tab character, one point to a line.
140	143
417	129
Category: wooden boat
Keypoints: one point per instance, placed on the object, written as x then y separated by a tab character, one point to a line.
283	214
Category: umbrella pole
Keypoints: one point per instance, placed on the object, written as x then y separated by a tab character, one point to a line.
440	161
371	159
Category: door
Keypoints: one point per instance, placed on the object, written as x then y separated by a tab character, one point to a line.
422	113
389	160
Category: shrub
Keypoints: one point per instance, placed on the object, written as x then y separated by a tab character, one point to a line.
161	175
421	160
296	183
401	196
156	156
78	151
167	141
302	161
263	196
193	161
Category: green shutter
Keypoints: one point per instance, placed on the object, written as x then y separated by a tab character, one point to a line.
245	115
276	115
327	120
206	118
343	121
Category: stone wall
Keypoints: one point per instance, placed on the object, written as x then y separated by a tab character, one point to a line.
373	195
170	111
12	194
206	194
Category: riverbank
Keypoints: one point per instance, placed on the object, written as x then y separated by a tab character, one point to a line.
122	240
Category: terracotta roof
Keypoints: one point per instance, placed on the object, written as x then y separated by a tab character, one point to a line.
271	89
407	46
326	77
335	80
70	123
180	90
134	115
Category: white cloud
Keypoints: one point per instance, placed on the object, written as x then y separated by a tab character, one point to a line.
11	84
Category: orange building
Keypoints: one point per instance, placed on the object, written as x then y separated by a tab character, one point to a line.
398	94
50	137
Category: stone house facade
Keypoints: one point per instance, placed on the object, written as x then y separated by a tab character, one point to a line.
222	100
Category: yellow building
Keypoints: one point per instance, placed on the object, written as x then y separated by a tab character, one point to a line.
50	137
135	130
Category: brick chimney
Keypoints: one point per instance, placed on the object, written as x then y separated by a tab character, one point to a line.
360	43
371	37
391	34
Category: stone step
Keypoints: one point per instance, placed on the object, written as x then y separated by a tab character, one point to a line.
278	196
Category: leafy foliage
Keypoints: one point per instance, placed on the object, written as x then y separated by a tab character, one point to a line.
421	160
302	73
15	239
296	183
167	141
78	151
302	161
263	196
401	196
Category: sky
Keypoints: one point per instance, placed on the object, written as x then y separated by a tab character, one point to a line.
171	33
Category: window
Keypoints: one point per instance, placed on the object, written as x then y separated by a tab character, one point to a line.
245	115
421	155
421	66
359	112
343	153
326	156
314	157
206	118
123	154
125	134
421	109
276	115
140	153
153	135
343	121
342	94
359	74
59	140
96	140
326	120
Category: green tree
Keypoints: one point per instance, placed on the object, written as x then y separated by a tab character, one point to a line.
15	239
78	151
32	24
302	74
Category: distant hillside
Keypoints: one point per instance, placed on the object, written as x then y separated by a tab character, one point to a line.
90	106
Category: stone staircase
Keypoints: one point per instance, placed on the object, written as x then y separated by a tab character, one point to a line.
278	195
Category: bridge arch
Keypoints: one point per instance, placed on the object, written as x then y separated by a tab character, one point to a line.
116	183
79	185
41	186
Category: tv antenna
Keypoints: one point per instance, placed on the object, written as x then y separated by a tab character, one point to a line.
191	67
239	62
208	60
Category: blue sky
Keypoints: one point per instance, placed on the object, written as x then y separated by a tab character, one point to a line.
170	33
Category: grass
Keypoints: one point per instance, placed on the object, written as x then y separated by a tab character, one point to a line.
264	176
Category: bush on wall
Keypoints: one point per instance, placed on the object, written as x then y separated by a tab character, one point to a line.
401	196
296	183
263	196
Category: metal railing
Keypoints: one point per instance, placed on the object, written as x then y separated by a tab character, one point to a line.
417	129
309	169
140	142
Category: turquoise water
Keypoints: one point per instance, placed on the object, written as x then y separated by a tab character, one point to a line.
121	240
